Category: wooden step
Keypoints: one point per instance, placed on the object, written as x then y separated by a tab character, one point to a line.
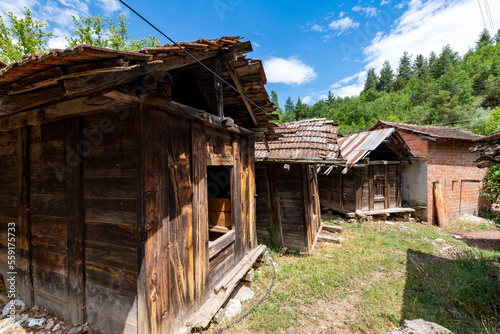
333	229
327	238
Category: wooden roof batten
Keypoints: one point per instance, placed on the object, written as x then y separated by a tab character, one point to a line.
61	75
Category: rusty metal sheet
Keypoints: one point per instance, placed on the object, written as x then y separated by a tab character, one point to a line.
357	146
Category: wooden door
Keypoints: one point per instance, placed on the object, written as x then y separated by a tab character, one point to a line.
379	185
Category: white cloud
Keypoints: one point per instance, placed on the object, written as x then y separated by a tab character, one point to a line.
291	71
109	6
384	2
343	24
368	11
317	27
349	86
307	99
425	26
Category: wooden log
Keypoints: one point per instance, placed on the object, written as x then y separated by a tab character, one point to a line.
333	229
441	206
326	238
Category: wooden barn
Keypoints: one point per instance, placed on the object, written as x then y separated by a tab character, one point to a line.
130	178
371	180
288	208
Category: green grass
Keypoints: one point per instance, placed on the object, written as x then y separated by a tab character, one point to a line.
379	276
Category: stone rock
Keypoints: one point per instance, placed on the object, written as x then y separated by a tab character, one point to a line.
389	223
56	328
50	324
439	240
244	294
456	236
35	322
232	309
75	330
419	326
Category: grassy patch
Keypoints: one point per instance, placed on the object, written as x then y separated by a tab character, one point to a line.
380	275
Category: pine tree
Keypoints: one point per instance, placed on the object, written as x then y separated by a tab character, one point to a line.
404	70
331	97
497	37
447	57
371	80
301	110
386	76
420	67
289	114
484	39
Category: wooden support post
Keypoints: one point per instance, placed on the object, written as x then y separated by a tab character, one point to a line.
236	199
74	214
371	190
200	211
241	88
219	97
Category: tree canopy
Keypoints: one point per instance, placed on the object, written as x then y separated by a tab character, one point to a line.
25	35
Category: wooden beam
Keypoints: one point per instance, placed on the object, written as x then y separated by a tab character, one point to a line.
50	76
204	92
218	245
58	111
241	88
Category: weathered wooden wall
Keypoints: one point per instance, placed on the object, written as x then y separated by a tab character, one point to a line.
376	187
110	196
176	261
288	205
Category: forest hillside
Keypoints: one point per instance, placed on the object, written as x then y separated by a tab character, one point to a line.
445	89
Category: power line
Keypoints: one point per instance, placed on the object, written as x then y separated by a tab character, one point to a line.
488	14
194	58
480	9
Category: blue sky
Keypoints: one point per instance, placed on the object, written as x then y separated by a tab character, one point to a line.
308	48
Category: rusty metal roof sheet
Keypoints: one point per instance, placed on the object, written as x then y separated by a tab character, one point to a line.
442	132
311	140
358	146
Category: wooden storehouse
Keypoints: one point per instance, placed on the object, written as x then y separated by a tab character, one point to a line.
371	180
129	176
288	208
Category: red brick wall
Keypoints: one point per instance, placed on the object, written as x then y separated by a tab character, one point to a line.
417	145
452	162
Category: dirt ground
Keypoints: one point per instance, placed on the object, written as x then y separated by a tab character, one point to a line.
482	239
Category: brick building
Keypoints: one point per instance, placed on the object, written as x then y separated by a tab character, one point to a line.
443	155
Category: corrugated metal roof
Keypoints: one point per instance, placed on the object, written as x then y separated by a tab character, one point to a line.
312	140
443	132
357	146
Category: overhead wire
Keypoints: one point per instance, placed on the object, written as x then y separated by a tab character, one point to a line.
481	10
193	57
488	14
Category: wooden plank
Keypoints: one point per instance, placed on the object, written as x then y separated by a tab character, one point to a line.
274	202
220	218
200	215
216	246
219	204
241	88
143	312
76	254
441	206
306	202
219	160
236	199
252	235
202	317
371	190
